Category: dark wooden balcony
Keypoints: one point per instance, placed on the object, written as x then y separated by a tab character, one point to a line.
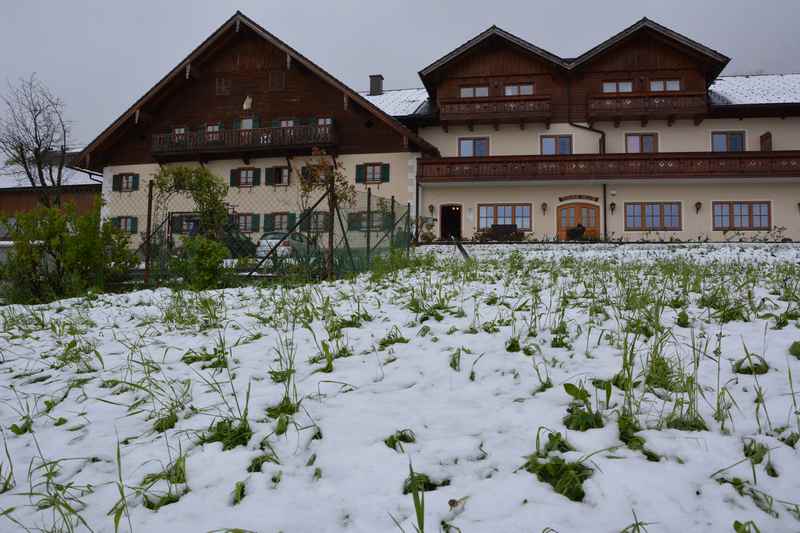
609	166
646	106
253	141
506	109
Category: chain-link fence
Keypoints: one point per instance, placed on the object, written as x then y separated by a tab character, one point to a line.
272	228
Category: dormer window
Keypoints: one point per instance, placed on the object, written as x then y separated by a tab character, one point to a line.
658	86
612	87
479	91
520	89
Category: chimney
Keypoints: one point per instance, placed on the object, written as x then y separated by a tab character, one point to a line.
375	84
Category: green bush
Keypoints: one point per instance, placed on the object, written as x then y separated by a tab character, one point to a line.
201	264
58	253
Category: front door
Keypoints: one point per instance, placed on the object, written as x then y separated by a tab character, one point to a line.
450	222
571	216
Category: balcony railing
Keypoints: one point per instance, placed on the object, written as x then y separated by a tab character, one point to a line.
510	108
610	166
253	139
633	105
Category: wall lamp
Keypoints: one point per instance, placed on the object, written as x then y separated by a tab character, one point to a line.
698	206
544	208
431	209
612	206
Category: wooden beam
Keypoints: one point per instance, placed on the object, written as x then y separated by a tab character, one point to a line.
471	126
698	120
346	102
670	120
644	122
616	122
237	25
547	124
496	126
288	61
444	127
136	116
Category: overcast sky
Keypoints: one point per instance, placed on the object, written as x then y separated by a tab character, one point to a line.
101	55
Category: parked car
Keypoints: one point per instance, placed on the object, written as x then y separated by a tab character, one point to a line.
294	245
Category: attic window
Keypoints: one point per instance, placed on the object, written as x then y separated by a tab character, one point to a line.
223	87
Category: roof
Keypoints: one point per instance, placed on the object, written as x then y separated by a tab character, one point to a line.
236	21
70	177
400	102
646	23
756	89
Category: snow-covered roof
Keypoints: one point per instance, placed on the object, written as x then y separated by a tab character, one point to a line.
12	180
756	89
399	102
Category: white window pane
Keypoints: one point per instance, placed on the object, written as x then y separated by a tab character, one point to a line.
465	148
548	146
625	86
246	124
512	90
609	87
481	92
634	144
466	92
719	142
657	85
526	90
673	85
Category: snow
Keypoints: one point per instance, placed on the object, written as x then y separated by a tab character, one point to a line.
399	102
756	89
476	433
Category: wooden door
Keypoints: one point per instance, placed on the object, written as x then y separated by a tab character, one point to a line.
571	215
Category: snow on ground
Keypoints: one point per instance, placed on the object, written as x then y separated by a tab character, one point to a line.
110	403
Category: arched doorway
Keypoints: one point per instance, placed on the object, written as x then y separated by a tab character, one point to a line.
571	215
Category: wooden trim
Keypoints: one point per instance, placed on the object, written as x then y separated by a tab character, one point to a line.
556	137
513	214
641	134
643	217
749	203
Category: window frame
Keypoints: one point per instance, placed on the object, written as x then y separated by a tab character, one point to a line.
730	215
126	181
640	135
518	87
557	138
245	216
376	169
616	85
728	134
665	82
643	227
473	140
252	177
513	206
282	214
124	223
474	88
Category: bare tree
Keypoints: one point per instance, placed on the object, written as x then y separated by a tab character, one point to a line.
34	137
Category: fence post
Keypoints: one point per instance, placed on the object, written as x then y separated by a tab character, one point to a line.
148	235
332	205
391	237
369	224
407	235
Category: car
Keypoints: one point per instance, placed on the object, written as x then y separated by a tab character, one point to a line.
293	245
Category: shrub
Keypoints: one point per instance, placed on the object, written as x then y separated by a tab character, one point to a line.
201	264
58	253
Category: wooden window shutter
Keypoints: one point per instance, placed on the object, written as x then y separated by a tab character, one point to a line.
115	222
291	220
116	182
256	123
235	177
134	225
269	222
255	222
385	173
269	176
766	142
256	177
361	173
275	123
135	182
237	124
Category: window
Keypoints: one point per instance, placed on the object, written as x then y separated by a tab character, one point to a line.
179	131
556	144
742	216
641	143
519	214
126	224
481	91
280	221
125	182
473	147
212	132
373	172
287	123
319	221
657	86
247	177
325	121
522	89
246	124
653	216
610	87
727	141
247	222
223	87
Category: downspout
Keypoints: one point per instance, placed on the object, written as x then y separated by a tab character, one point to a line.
416	214
601	149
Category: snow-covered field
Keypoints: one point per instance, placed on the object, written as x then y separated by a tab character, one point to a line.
578	388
